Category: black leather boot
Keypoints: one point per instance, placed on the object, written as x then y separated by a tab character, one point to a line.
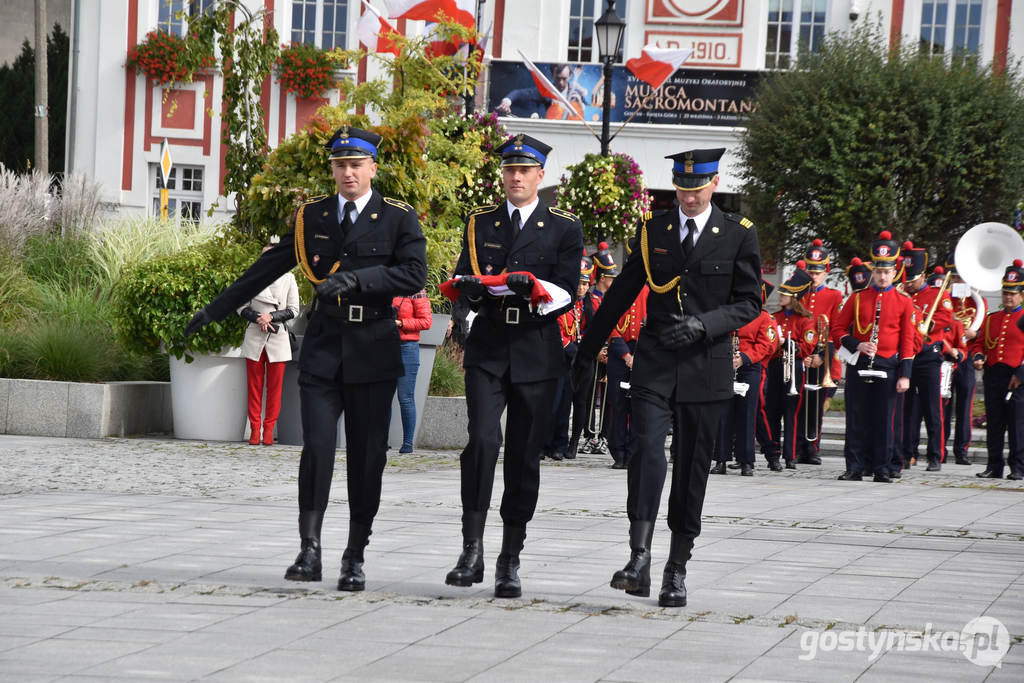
307	566
470	567
352	577
933	465
635	577
506	572
673	586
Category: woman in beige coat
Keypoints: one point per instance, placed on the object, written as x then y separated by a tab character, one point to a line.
266	349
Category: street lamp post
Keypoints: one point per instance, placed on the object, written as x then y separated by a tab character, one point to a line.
608	29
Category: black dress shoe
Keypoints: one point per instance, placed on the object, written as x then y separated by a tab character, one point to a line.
850	476
774	465
933	466
568	455
746	470
895	474
555	455
963	460
733	466
882	479
352	577
619	465
809	460
307	565
719	468
1016	476
790	465
545	454
990	473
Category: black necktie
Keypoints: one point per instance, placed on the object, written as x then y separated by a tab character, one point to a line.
688	240
346	218
516	220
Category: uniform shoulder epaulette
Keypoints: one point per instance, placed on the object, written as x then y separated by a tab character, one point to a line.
486	208
398	204
314	200
562	212
742	220
648	215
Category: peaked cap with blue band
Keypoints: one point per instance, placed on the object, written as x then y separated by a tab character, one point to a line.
695	169
798	284
348	143
522	150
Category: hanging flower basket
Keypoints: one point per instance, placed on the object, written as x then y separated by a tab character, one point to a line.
305	70
607	194
161	57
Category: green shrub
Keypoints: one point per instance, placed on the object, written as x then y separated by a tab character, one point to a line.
69	351
448	377
62	260
15	292
134	239
154	300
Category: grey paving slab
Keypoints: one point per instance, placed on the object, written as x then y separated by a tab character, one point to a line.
170	555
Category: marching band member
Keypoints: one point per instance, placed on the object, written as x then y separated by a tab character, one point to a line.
876	328
999	350
785	376
923	400
591	396
621	347
754	343
820	301
965	379
570	327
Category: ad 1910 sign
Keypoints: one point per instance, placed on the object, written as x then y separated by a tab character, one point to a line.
691	96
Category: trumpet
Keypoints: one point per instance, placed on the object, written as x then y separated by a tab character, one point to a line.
789	364
812	413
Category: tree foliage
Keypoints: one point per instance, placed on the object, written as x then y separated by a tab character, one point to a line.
429	155
861	138
17	101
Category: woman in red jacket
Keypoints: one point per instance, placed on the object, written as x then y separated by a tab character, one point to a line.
412	314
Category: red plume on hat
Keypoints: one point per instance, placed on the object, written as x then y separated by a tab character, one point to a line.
817	242
939	270
855	261
801	264
885	235
908	245
1017	263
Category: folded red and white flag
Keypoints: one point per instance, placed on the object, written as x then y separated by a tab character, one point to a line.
656	64
375	32
546	88
546	296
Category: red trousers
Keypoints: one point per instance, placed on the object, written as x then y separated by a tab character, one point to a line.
255	371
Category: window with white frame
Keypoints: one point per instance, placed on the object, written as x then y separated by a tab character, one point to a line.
951	27
184	191
323	23
582	42
171	15
793	26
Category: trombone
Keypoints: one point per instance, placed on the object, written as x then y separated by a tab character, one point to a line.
811	417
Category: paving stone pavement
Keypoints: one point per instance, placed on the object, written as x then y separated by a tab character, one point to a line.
138	559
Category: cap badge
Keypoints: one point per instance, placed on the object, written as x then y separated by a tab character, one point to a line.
815	255
343	132
518	142
883	250
1011	276
688	163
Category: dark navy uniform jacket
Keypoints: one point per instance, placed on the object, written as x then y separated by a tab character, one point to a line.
386	250
549	247
720	283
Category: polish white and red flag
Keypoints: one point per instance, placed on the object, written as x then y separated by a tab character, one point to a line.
459	11
656	64
375	32
547	88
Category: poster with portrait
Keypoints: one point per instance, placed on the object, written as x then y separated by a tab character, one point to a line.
702	97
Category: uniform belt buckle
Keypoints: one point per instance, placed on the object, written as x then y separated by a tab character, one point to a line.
512	316
355	313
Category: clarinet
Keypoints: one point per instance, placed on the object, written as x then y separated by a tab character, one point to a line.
874	337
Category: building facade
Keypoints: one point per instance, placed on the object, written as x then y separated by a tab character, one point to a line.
120	118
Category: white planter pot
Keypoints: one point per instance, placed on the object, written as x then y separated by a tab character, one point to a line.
208	397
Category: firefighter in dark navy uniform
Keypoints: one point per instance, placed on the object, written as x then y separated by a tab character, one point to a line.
514	355
702	267
360	250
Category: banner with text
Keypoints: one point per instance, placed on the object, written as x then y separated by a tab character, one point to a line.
690	96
